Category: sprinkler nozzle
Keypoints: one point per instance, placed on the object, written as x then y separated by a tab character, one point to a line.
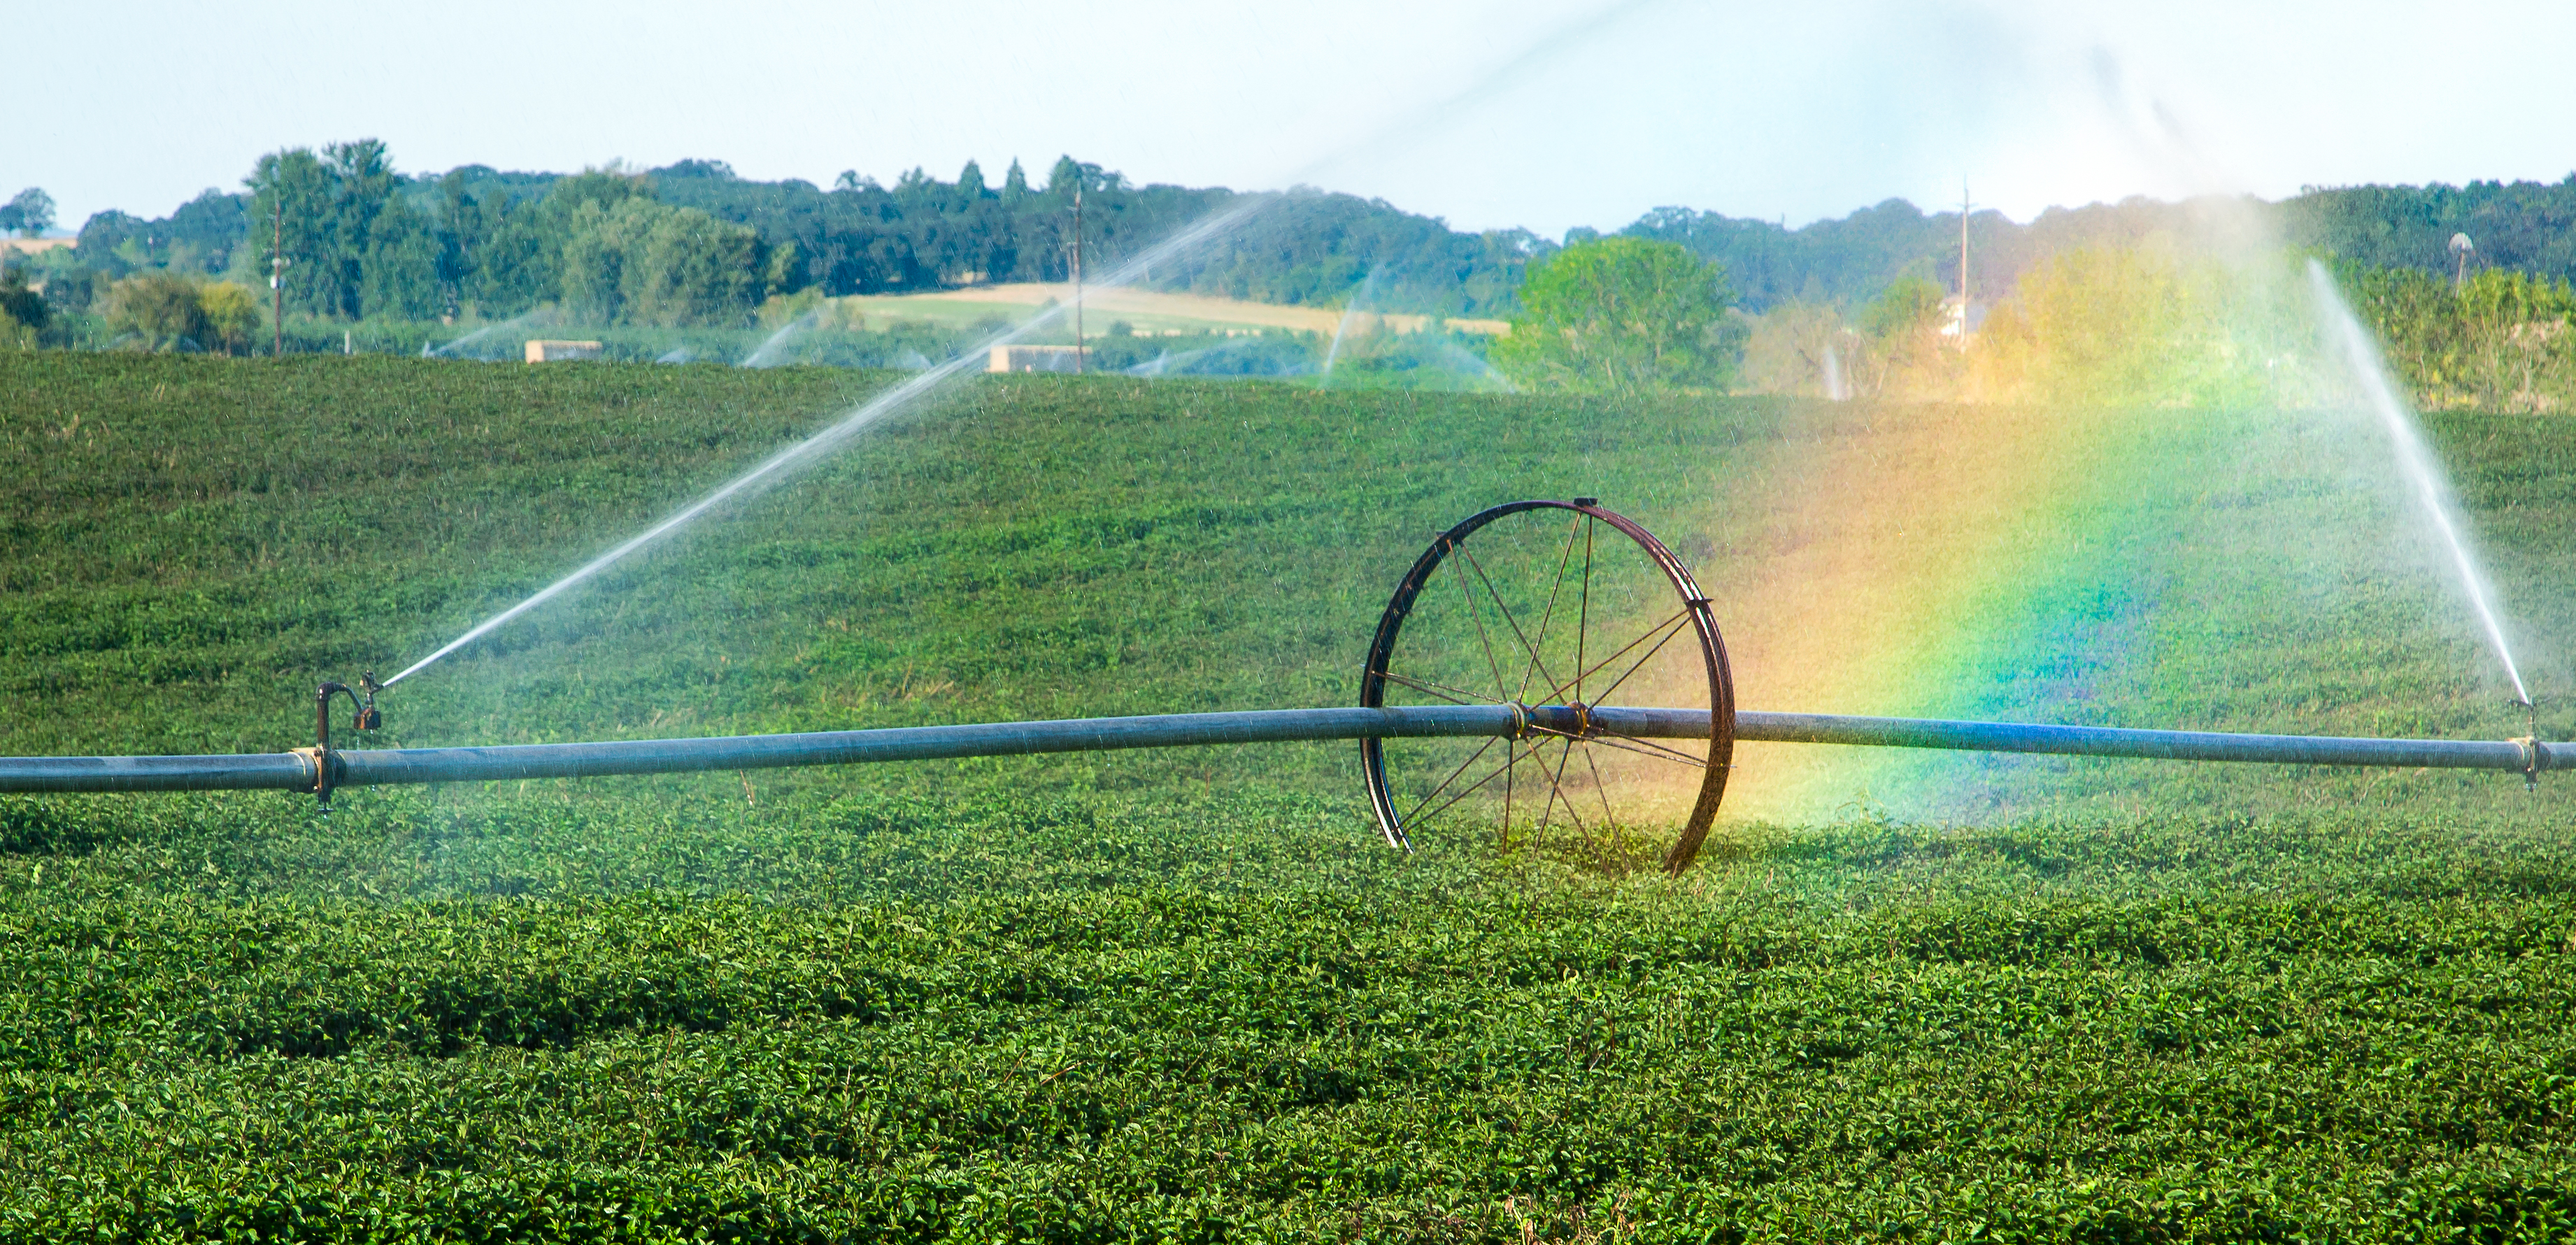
2534	756
325	765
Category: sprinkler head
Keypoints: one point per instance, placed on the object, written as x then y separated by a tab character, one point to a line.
2533	756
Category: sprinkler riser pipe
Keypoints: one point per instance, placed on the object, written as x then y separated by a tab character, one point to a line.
302	771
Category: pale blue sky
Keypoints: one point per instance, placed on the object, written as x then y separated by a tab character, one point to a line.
1487	112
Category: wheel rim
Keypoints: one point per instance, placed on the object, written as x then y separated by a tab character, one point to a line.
1558	619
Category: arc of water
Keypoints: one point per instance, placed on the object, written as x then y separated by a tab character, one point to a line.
2415	460
850	425
765	355
429	351
1348	314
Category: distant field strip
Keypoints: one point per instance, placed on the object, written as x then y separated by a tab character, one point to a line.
1144	309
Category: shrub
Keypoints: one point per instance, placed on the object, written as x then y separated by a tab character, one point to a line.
161	308
231	315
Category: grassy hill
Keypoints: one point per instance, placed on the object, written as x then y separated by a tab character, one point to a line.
1185	994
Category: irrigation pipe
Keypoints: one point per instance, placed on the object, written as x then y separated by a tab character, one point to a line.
301	770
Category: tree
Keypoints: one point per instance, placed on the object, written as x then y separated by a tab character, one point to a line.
22	312
160	308
1909	306
292	193
1620	315
686	267
30	213
231	316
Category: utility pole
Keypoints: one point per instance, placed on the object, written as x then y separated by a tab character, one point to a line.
277	274
1077	272
1965	206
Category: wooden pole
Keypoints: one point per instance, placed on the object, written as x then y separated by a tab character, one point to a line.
1077	272
277	273
1965	205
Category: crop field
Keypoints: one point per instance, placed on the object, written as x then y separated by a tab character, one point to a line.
1188	995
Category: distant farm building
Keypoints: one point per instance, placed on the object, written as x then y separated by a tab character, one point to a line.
1034	359
561	352
1960	320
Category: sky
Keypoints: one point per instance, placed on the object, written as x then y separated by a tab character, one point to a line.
1489	113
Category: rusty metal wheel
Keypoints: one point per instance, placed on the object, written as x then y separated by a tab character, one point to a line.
1563	610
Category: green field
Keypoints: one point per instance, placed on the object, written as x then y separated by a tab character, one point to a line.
1187	995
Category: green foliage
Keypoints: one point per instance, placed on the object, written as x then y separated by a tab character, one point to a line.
1179	995
644	262
23	306
2151	325
232	315
2499	341
1906	308
30	212
1620	315
160	309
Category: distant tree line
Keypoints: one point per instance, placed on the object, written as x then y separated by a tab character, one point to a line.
2527	227
693	244
2500	340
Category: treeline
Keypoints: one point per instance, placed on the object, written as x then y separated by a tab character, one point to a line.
2524	227
693	244
1854	304
2498	341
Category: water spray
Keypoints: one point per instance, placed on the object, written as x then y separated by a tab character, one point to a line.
2416	462
1576	716
859	420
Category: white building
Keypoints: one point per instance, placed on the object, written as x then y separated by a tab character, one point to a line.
1033	359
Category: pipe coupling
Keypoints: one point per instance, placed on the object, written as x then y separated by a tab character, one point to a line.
2535	758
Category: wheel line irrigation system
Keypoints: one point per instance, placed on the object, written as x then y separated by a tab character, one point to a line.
1714	728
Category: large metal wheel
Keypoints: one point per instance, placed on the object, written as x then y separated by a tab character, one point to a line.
1559	609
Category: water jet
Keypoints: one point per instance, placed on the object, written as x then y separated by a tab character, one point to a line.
1624	602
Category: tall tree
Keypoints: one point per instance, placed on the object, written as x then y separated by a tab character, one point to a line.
292	213
1620	315
30	212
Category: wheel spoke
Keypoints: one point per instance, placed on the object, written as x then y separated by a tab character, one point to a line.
1547	810
1658	629
1583	619
1564	559
1479	617
1441	690
1506	612
1649	748
1453	777
1564	759
1470	789
1630	743
1609	821
1640	663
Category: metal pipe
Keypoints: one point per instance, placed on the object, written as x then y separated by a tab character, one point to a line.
295	771
2106	741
